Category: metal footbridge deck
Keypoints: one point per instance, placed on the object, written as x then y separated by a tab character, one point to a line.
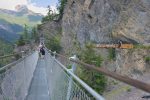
39	87
33	78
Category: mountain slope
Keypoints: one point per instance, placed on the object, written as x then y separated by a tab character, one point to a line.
6	48
21	16
12	22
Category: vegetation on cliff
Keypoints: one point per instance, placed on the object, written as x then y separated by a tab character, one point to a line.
53	39
27	36
53	43
51	15
112	54
96	80
61	7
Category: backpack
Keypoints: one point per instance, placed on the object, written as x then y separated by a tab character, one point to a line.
42	51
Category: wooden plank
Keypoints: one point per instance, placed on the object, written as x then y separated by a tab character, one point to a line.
126	46
122	46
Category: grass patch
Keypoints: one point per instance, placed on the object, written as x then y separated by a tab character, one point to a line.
114	82
118	91
17	20
129	89
140	46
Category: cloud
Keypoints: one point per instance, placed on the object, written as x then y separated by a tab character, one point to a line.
37	9
10	5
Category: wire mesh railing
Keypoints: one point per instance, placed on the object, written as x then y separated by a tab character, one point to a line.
4	60
64	84
15	78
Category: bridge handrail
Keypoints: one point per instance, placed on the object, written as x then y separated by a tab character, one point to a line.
84	85
13	63
133	82
71	74
15	78
6	56
13	54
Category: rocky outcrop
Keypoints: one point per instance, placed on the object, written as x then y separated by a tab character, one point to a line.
132	62
106	21
50	29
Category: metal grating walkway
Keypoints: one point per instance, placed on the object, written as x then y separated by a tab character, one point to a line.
39	88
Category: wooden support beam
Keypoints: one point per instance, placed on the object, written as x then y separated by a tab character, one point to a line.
122	46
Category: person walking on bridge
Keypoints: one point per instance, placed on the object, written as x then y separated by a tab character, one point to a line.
41	50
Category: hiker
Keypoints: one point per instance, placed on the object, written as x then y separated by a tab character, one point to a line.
42	51
120	44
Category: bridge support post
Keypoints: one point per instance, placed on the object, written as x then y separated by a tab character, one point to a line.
54	53
22	54
50	52
74	65
73	69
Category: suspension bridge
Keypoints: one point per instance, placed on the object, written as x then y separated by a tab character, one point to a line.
33	78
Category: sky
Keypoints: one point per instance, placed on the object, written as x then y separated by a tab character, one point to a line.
38	6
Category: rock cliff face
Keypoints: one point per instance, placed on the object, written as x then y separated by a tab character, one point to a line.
50	29
105	21
132	62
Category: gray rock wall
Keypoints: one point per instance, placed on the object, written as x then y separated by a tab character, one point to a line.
105	21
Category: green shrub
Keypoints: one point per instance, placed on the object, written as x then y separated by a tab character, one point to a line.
96	80
147	59
140	46
129	90
112	54
53	43
34	34
69	66
39	26
21	41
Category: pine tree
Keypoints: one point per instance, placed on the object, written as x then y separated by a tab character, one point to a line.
50	13
49	16
61	7
34	34
26	35
21	41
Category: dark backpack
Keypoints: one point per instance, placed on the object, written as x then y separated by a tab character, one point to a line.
42	51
